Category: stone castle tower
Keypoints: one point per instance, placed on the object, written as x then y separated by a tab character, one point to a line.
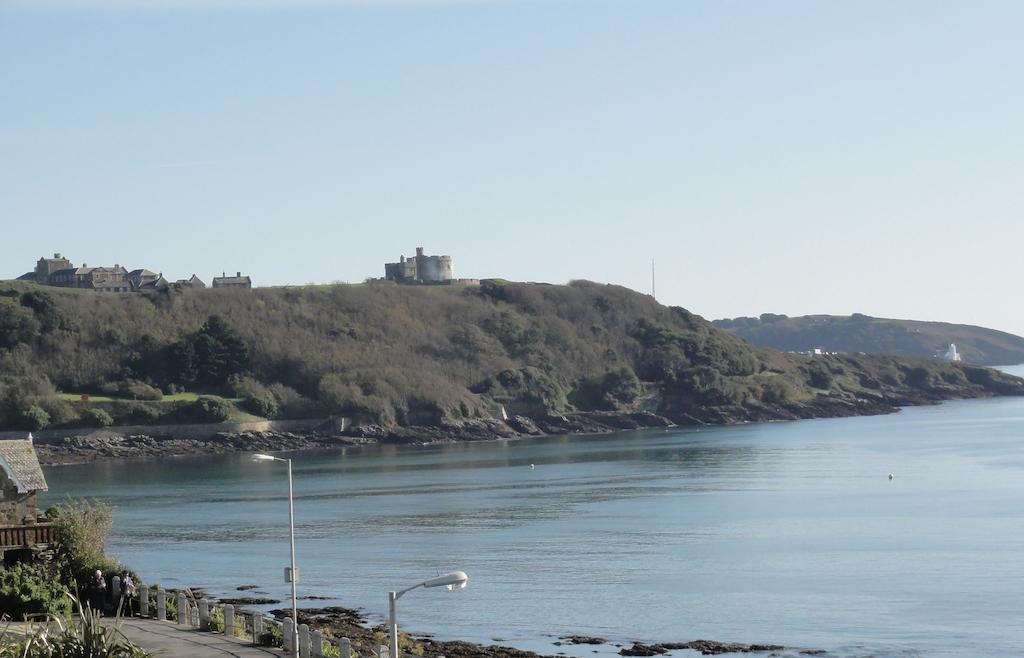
420	269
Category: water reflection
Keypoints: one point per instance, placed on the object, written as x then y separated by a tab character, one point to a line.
785	532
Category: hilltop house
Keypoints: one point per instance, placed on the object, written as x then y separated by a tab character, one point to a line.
192	282
47	266
21	479
101	279
61	272
237	281
141	277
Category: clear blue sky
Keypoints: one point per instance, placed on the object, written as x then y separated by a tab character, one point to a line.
792	157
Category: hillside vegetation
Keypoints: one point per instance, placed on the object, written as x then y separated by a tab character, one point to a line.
394	355
861	333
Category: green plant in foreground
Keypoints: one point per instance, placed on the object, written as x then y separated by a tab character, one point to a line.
29	590
271	636
217	620
64	636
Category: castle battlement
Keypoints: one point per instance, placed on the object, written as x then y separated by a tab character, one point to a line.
420	269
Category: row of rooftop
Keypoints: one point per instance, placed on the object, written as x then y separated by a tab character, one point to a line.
61	272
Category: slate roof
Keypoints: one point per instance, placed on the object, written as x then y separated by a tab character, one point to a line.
193	281
19	462
225	280
155	284
73	270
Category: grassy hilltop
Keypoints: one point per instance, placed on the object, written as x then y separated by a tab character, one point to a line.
862	333
396	355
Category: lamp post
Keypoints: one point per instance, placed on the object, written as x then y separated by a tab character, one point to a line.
452	581
293	572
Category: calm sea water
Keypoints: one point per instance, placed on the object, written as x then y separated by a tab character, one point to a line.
788	533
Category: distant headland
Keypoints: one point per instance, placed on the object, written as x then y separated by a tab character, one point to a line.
859	333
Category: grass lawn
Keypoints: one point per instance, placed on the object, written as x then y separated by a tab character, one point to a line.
177	397
237	415
75	397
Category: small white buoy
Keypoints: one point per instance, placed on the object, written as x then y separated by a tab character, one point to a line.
532	467
890	476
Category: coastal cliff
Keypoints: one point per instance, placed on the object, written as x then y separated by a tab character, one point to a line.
427	363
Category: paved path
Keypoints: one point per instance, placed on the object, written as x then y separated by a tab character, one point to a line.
168	640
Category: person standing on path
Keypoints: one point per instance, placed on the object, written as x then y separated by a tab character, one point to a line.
97	591
127	594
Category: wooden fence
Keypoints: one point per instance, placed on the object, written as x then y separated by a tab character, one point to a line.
26	536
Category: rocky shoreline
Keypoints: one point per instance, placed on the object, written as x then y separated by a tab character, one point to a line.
82	446
337	621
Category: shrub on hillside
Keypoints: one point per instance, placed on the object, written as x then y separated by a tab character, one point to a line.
919	377
777	391
256	398
615	390
529	385
292	403
60	411
132	389
115	336
140	391
97	418
142	413
621	386
210	410
819	376
35	418
18	325
264	405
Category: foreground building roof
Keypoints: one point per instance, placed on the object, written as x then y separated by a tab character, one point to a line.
19	462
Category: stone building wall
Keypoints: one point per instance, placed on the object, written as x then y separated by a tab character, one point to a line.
15	508
434	269
47	266
420	269
403	270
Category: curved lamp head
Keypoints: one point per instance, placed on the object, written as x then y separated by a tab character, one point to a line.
263	458
453	580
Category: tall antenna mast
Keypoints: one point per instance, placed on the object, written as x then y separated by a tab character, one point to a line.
652	281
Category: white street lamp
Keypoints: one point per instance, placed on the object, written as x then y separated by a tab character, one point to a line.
452	581
293	574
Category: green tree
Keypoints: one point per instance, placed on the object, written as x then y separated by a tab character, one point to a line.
97	418
211	356
36	418
263	404
81	528
17	325
212	410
